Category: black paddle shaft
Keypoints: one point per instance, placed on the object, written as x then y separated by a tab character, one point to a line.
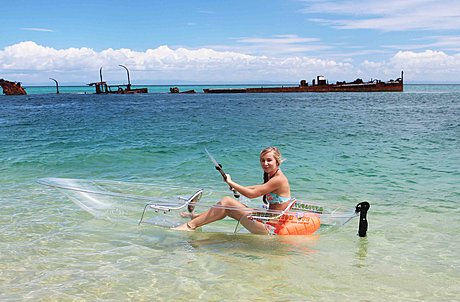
219	168
221	171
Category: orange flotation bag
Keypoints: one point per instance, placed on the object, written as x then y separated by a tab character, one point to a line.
292	224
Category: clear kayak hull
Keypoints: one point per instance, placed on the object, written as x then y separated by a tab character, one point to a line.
162	205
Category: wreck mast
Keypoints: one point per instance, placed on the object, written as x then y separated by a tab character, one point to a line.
100	74
57	85
129	81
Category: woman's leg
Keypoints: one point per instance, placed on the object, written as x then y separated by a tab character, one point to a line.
215	213
212	214
253	226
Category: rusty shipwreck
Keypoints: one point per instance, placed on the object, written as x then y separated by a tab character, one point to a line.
103	88
12	88
320	84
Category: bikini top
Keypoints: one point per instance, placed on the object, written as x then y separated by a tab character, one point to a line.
273	198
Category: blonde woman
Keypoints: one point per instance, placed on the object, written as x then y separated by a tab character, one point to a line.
275	190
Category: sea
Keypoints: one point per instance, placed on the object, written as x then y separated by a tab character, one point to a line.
398	151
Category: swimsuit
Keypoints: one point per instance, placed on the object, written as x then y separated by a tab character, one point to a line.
273	198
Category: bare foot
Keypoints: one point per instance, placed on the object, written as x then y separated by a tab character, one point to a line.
184	227
189	215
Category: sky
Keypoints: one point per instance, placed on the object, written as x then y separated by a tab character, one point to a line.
233	41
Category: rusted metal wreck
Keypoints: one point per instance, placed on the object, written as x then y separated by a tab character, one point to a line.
103	88
176	90
320	84
12	88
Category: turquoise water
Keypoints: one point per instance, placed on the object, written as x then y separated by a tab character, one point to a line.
399	151
199	88
151	88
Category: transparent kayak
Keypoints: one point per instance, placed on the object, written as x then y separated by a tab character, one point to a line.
162	205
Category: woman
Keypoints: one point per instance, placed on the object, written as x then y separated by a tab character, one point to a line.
275	189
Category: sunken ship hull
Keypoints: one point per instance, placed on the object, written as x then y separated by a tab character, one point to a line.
103	88
12	88
320	85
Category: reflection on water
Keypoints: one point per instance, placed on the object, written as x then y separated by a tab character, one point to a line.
249	245
244	245
361	253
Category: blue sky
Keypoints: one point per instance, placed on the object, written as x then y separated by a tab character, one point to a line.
252	41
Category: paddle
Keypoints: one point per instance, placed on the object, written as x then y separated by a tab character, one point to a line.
221	171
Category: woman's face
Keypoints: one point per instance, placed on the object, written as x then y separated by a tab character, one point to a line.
268	162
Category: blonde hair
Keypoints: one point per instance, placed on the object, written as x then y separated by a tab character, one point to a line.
276	154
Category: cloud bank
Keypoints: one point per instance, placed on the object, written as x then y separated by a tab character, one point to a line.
32	63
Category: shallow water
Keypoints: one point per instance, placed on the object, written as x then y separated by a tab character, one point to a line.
399	151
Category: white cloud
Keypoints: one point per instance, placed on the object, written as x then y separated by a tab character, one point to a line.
163	63
279	45
437	63
37	29
389	15
447	43
279	39
428	65
31	63
31	56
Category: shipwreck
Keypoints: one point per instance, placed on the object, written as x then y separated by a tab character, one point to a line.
12	88
320	84
176	90
103	88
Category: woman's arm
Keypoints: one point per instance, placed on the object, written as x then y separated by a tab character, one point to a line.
257	190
